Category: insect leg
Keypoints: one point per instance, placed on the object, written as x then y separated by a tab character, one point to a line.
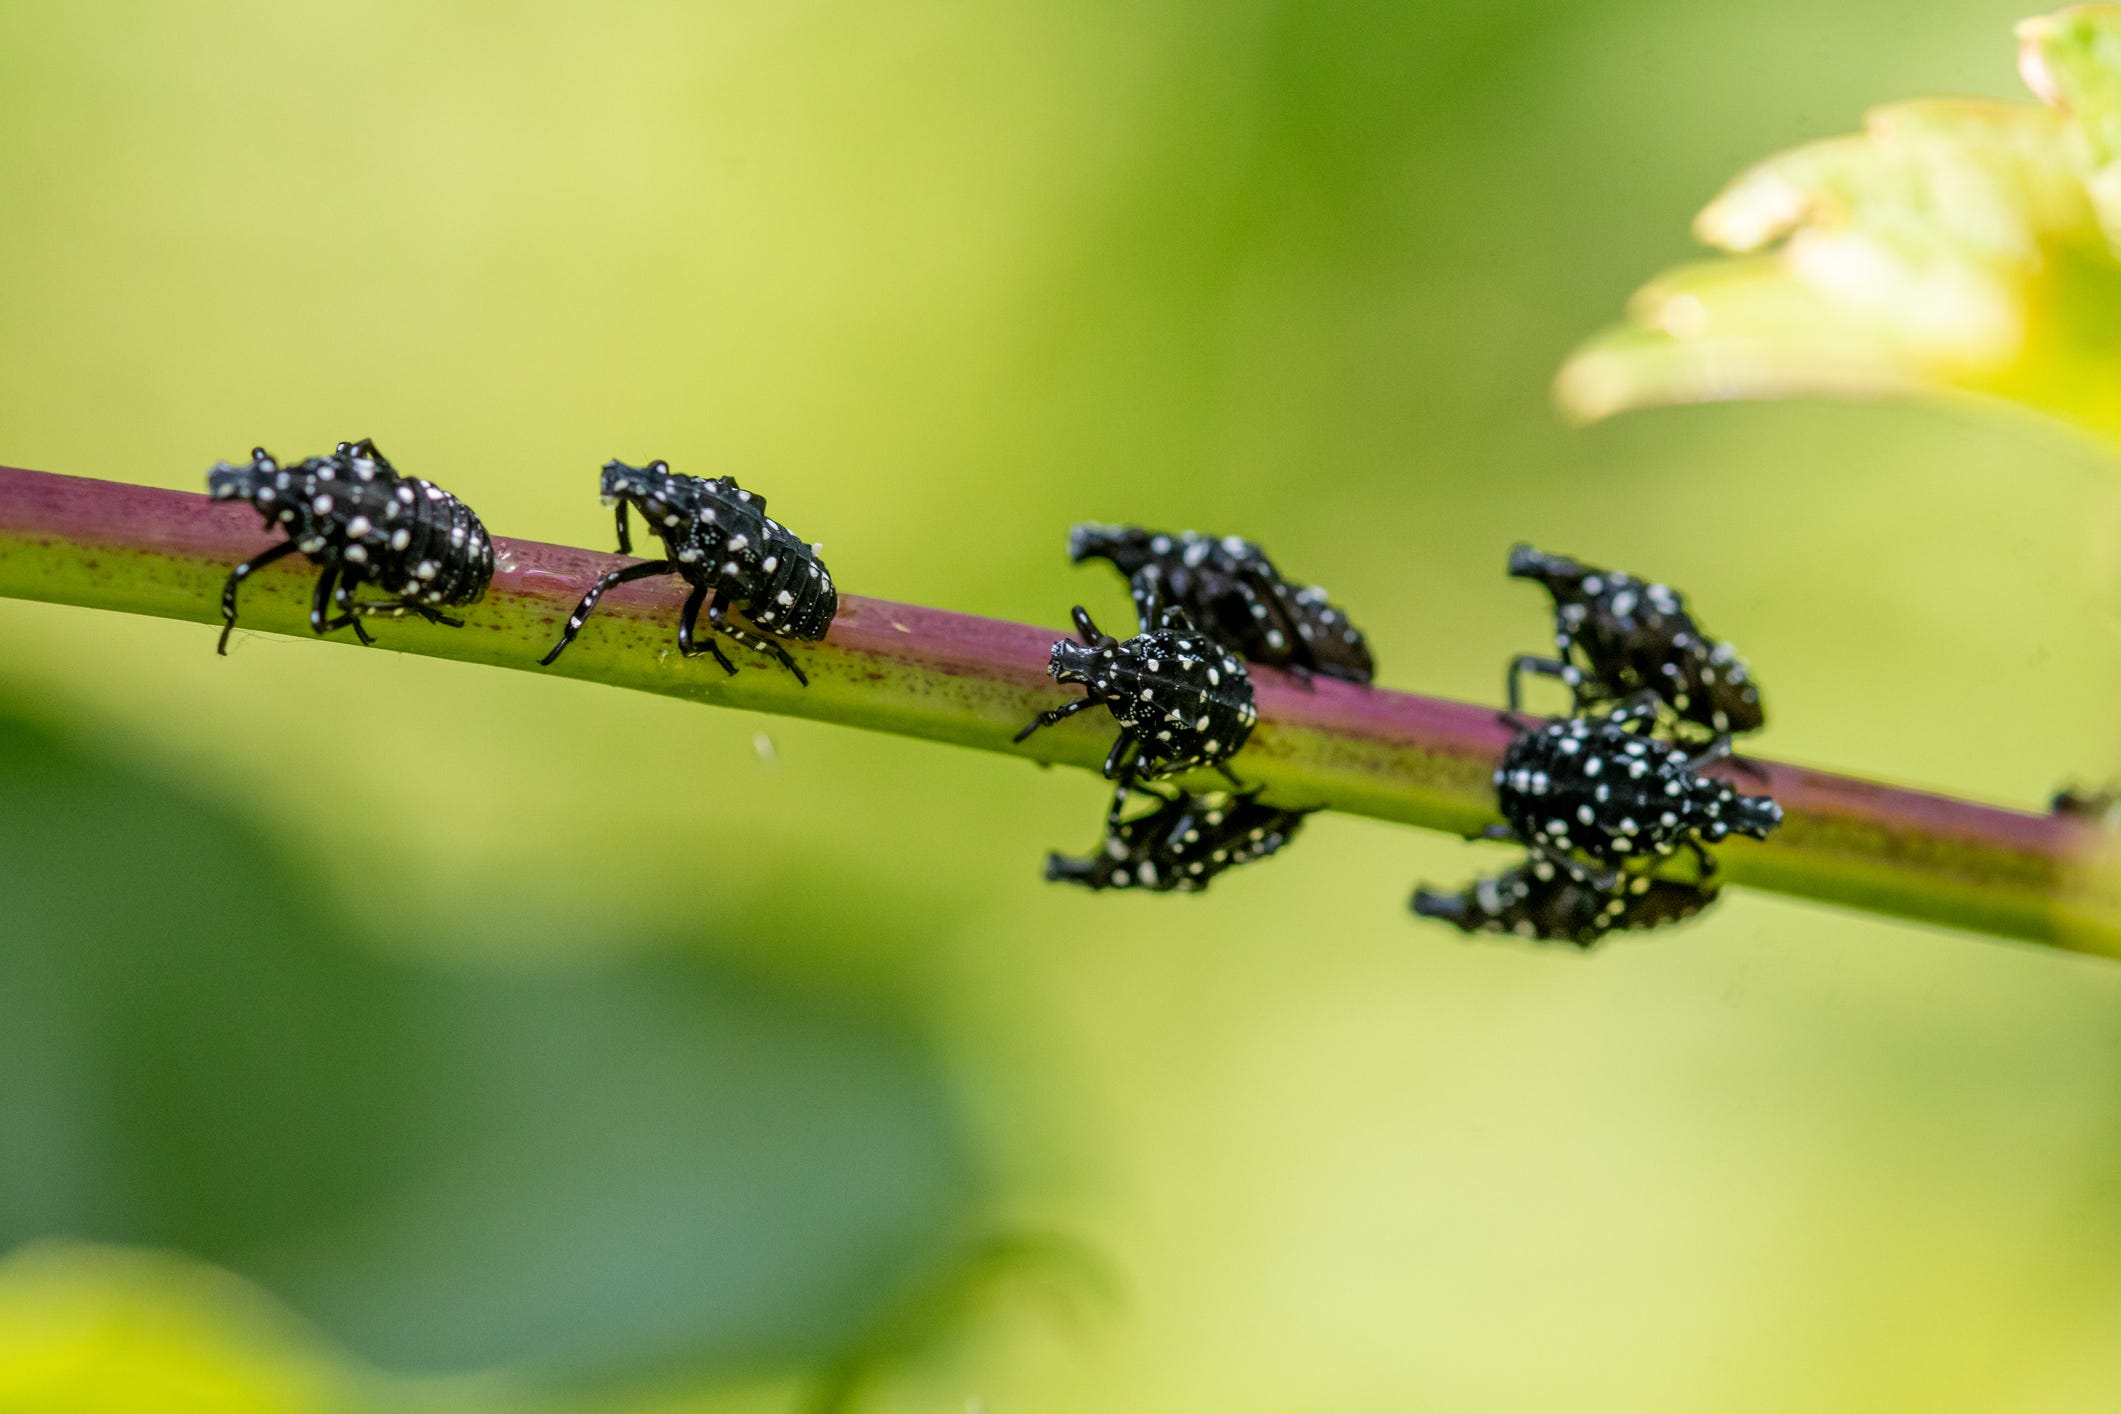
1543	667
757	642
1088	629
1119	803
581	613
1148	590
342	600
1120	760
1056	715
625	529
688	620
399	608
1601	881
320	600
1716	750
236	577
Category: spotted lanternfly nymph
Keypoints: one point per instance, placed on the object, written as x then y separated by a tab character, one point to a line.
354	515
1181	844
1541	901
1229	588
720	541
1181	699
1618	636
1602	788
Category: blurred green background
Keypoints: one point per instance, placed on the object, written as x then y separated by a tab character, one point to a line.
388	1033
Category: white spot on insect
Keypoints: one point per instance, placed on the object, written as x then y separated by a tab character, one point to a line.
426	569
321	504
357	553
400	538
1585	815
359	526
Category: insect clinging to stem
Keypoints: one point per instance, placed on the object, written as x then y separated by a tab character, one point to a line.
719	540
361	522
1181	700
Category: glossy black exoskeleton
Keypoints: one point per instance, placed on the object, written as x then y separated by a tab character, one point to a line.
718	539
1542	901
1181	699
1182	843
1231	590
1602	788
362	523
1618	636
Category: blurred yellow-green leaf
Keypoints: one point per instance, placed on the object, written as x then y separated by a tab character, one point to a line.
95	1330
1955	247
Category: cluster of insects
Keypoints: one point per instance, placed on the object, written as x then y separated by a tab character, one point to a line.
1180	692
361	522
1602	797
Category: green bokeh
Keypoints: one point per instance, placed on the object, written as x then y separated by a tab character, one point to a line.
941	279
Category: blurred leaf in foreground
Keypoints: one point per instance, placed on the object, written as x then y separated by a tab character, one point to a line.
1955	246
90	1329
563	1170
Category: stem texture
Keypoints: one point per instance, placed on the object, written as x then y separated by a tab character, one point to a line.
973	682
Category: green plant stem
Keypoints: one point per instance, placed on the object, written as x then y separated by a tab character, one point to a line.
973	682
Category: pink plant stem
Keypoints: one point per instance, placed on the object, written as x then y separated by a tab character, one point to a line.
973	681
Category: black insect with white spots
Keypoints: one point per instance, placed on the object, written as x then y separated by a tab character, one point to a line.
1618	636
1181	699
1601	787
1540	900
364	524
718	539
1182	843
1229	588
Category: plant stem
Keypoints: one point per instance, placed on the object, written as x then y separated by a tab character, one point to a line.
974	682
